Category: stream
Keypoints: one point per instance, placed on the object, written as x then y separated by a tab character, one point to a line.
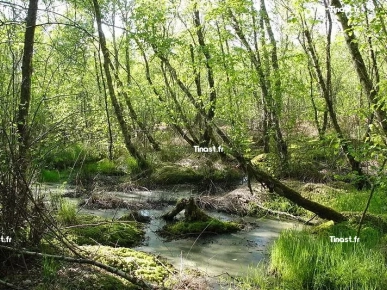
215	255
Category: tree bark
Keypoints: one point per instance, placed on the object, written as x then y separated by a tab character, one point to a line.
326	92
16	193
210	78
361	69
266	88
117	107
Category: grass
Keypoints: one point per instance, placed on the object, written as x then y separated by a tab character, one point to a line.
307	259
67	212
50	268
357	200
304	261
54	175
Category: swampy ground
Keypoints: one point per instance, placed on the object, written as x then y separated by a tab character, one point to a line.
252	240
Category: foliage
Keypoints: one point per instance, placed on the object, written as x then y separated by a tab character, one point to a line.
50	176
175	175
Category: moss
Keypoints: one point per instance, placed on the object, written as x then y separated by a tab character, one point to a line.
212	226
142	265
175	175
115	233
135	216
87	278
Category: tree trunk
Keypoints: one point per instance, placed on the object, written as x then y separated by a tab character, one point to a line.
326	92
267	92
274	185
117	107
16	187
210	78
360	66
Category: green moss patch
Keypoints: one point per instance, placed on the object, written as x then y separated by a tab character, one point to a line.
85	277
137	263
99	231
178	174
183	229
135	216
175	175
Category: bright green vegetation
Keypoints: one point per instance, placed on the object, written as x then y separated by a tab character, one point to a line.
308	259
303	261
174	174
218	72
212	226
124	234
140	264
67	212
55	276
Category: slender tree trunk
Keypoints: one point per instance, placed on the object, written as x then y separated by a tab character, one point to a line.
360	66
102	90
15	207
266	92
210	78
117	107
325	92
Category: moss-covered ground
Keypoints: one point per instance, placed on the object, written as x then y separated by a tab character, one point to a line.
92	230
140	264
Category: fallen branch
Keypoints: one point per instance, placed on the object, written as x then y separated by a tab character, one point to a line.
95	224
108	268
9	285
286	214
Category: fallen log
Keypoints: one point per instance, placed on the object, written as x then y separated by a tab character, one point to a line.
281	189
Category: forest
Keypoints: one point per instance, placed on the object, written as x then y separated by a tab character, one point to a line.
191	144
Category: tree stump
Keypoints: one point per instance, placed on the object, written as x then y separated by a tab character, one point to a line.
192	211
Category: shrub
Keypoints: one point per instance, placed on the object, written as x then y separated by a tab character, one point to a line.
50	176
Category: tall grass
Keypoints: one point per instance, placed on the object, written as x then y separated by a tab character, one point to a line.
357	200
67	212
305	261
